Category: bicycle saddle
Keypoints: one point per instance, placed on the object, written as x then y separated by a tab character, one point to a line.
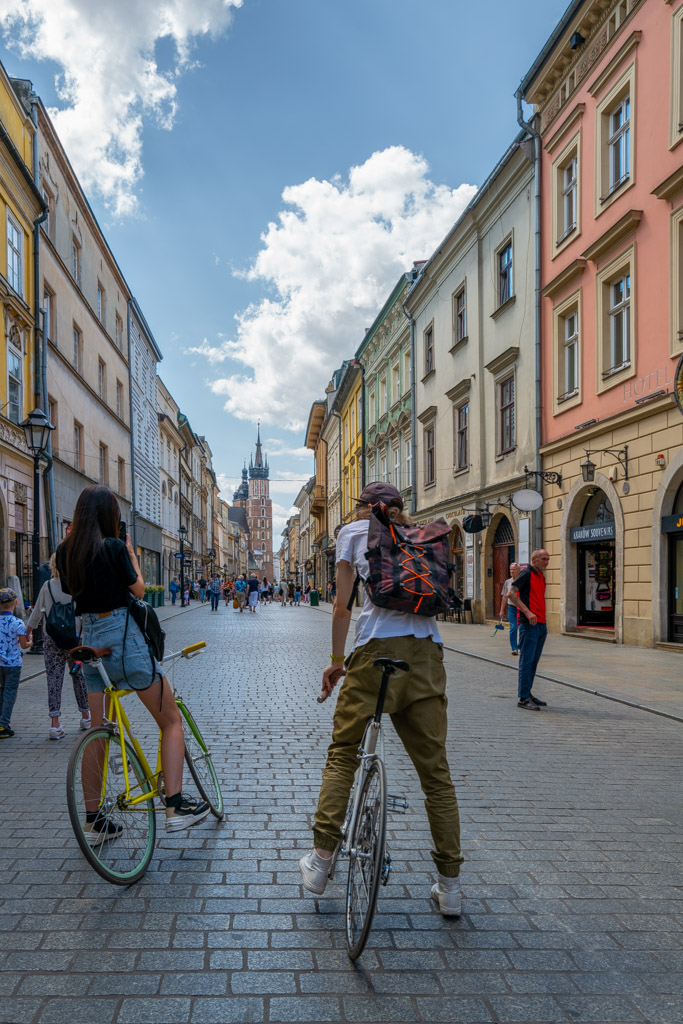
89	653
389	667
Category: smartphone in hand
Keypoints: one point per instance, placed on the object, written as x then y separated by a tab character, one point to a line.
123	531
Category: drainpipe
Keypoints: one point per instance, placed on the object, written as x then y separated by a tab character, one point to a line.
535	135
133	507
413	410
40	345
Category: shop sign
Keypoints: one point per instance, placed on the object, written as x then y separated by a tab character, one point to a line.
672	524
600	531
657	379
678	384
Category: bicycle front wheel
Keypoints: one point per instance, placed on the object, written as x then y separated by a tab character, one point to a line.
200	764
119	843
366	857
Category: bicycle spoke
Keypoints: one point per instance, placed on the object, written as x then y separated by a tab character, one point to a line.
366	858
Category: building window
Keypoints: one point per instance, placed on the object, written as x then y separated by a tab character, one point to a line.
505	291
566	349
459	316
384	471
382	396
77	353
406	370
119	333
397	466
48	223
396	383
676	101
119	399
76	260
102	380
461	413
371	469
15	251
101	303
615	138
49	310
121	476
53	414
620	322
104	465
570	362
429	349
506	415
565	186
569	192
430	454
15	390
78	446
408	448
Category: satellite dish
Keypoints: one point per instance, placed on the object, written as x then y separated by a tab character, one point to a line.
527	500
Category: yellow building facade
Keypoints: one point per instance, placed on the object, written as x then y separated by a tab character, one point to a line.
21	206
349	402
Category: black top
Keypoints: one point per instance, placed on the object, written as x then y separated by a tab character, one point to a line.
107	579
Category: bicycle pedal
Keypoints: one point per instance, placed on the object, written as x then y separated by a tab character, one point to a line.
397	804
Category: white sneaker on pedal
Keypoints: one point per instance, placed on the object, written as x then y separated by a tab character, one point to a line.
315	871
447	894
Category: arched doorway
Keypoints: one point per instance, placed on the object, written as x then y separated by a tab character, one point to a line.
596	571
503	556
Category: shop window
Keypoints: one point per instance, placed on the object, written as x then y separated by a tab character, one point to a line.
615	141
616	320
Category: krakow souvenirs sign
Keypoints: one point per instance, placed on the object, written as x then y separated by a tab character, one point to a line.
599	531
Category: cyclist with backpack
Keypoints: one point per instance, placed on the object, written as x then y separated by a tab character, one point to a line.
61	631
416	700
101	571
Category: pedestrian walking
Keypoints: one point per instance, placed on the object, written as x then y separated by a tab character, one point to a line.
173	588
57	658
13	642
252	593
527	594
202	590
297	595
290	593
227	591
509	609
214	592
416	704
240	591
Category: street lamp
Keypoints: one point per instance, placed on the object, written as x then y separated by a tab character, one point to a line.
36	429
588	467
182	530
211	554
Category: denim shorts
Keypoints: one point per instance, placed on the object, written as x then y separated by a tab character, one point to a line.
135	668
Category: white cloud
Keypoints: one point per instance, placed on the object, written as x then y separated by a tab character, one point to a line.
110	81
329	264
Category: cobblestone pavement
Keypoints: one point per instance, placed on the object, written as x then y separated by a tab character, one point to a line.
569	829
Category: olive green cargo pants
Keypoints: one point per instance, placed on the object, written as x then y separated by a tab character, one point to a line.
416	702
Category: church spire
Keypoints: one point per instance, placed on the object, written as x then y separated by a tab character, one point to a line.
259	458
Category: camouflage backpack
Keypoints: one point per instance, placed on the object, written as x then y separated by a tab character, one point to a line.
409	567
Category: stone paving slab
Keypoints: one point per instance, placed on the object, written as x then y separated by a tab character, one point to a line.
570	825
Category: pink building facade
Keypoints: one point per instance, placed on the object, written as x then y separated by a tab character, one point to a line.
607	92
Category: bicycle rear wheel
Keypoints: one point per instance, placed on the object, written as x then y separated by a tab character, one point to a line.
120	844
366	858
200	764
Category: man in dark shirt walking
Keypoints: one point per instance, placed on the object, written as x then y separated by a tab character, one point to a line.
527	594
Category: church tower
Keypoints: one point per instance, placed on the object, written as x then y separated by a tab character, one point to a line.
259	509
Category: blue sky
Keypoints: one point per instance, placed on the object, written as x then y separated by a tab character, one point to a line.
246	99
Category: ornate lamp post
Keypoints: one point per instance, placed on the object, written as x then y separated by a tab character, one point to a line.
182	530
36	429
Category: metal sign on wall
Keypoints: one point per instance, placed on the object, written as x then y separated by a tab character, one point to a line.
678	384
599	531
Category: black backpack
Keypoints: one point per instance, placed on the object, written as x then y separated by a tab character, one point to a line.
147	621
60	623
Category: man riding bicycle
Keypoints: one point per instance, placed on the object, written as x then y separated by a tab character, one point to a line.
416	703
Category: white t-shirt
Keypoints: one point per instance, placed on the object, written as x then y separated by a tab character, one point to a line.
375	623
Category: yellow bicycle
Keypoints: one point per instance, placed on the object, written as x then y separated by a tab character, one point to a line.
109	773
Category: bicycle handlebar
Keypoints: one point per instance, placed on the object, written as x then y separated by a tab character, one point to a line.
187	652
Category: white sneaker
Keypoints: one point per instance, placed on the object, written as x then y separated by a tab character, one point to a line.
447	894
315	871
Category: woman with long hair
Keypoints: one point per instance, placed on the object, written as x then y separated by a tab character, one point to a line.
101	572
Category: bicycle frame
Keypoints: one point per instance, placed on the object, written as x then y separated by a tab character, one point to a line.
121	722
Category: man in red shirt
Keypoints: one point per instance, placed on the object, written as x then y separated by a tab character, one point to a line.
527	594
